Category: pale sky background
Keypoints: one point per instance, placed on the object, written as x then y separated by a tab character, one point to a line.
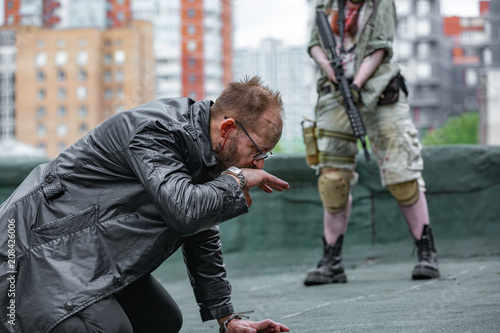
255	20
287	19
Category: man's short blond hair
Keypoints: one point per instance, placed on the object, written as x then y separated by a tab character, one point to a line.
247	101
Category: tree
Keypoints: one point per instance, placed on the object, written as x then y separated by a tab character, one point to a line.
461	129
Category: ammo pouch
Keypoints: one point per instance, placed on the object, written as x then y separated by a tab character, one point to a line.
309	134
313	155
391	93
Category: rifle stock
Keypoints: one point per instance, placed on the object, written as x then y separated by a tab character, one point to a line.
350	106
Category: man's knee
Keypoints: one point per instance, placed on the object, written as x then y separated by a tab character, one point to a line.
406	193
334	186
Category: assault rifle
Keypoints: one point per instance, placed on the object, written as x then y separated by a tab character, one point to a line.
350	106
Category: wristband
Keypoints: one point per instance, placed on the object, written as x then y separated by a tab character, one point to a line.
223	327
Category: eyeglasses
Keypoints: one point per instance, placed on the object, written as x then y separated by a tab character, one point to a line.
261	155
356	1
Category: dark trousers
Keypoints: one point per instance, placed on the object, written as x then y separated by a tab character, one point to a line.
143	306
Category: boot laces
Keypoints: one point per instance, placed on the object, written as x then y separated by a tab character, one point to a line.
425	248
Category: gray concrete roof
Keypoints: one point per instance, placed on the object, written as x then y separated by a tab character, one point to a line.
379	296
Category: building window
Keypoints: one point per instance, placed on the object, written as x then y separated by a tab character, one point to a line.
191	29
62	111
424	50
487	56
61	42
82	111
119	92
403	7
471	78
61	75
82	58
40	112
41	145
119	108
62	129
423	27
41	130
81	92
61	93
192	78
119	76
107	59
108	76
402	28
82	42
40	43
40	95
119	57
61	146
61	58
83	128
191	13
108	94
403	49
40	76
40	59
424	70
192	45
82	75
423	7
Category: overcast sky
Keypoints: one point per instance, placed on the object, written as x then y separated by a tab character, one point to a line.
287	19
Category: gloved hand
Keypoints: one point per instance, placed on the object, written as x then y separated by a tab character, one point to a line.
355	92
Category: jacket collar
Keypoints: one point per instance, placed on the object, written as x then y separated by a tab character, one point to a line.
199	129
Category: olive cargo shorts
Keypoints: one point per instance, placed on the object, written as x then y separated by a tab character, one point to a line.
390	129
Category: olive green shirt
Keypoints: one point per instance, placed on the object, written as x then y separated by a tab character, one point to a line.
377	33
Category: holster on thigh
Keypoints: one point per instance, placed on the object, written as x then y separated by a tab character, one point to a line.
334	186
406	193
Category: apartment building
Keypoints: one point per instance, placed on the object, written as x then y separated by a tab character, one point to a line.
69	81
7	74
191	52
192	45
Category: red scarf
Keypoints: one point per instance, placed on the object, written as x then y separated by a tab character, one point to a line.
351	22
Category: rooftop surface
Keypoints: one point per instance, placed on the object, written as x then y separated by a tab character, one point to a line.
380	295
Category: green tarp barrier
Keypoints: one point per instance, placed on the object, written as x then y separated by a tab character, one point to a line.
463	192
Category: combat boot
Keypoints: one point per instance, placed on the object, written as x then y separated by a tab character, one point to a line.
329	269
427	266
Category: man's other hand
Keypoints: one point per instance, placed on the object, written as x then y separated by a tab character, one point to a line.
264	326
265	181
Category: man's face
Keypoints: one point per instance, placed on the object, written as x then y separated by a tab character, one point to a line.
236	152
239	150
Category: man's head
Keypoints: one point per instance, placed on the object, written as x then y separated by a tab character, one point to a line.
246	120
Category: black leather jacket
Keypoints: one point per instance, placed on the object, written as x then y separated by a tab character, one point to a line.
113	207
